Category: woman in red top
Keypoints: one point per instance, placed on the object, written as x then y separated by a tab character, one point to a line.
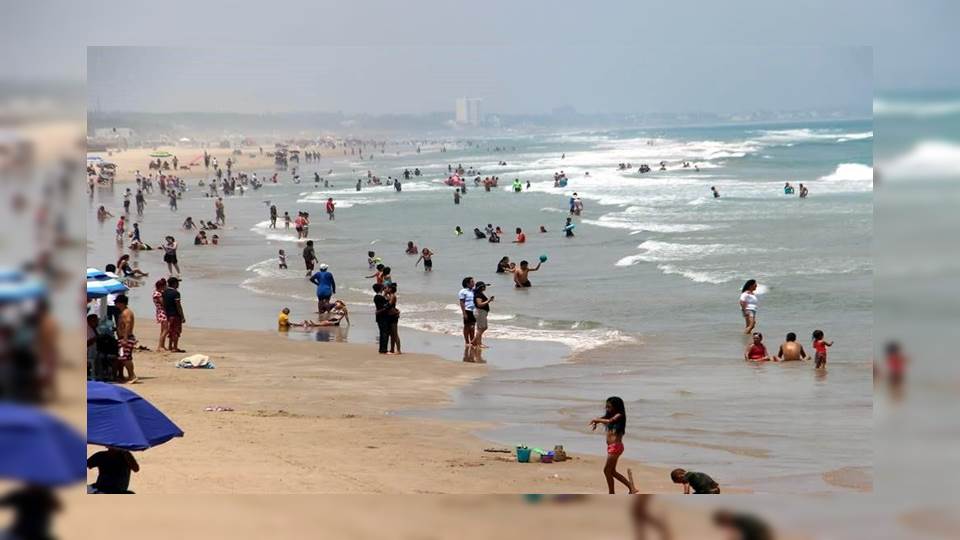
159	287
757	351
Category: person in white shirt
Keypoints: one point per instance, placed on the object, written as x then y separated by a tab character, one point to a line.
466	309
748	305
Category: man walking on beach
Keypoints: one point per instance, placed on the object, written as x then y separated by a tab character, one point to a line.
174	312
466	309
125	339
309	257
326	288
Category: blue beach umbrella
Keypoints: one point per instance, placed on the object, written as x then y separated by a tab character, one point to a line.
39	449
16	287
99	284
119	418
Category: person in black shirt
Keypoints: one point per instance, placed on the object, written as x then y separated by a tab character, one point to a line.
700	482
174	312
382	310
114	468
33	506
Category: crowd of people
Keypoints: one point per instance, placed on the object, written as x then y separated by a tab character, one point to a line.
115	361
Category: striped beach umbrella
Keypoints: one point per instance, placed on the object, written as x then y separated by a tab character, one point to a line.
99	284
15	286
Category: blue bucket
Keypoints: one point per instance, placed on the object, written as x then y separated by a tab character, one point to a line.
523	455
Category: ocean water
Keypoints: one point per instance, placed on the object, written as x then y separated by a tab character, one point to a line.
642	303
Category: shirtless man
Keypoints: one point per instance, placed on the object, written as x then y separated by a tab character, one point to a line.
790	350
520	279
125	338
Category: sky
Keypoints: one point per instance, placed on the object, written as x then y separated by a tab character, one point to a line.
641	41
510	79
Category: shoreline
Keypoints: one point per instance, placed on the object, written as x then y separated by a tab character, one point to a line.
320	418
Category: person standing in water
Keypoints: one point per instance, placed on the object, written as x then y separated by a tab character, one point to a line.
748	305
521	278
170	255
326	288
331	207
427	257
716	194
615	420
309	257
273	216
820	349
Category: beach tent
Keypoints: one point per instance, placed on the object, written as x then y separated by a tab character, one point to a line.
94	159
161	154
39	449
120	418
99	284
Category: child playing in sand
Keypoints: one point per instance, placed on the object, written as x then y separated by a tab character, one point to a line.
700	482
615	419
820	346
283	260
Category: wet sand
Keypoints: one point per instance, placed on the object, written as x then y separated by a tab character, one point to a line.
320	418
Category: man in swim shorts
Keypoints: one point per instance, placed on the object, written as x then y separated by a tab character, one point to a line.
520	274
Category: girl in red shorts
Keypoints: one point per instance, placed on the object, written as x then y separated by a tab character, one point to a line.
615	419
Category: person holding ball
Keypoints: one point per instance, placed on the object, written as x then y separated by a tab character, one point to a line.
520	274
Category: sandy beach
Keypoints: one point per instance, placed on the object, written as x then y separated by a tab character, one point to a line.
131	160
319	418
330	516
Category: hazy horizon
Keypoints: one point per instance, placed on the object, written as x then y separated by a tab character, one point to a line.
372	80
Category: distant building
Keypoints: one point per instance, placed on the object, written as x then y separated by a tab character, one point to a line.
468	111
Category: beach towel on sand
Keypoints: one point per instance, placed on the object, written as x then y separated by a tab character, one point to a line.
195	361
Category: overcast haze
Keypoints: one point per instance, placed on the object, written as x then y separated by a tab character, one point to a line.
519	79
